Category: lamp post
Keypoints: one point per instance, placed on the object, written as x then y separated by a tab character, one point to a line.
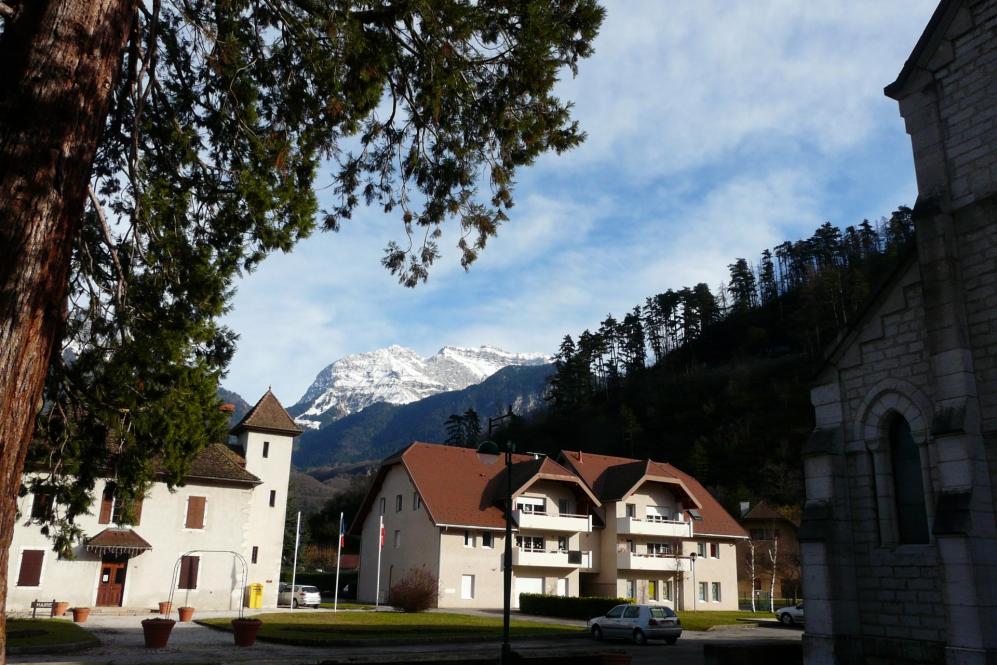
488	453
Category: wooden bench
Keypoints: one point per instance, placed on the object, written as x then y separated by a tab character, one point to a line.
43	605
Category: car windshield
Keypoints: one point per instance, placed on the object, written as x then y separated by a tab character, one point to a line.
661	612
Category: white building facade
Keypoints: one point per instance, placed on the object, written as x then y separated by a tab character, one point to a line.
583	525
229	511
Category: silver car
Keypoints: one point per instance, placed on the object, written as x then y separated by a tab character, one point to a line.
639	623
304	596
790	614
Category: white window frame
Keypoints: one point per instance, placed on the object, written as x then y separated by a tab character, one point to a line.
667	589
468	539
715	592
701	549
715	547
532	504
490	543
530	543
704	590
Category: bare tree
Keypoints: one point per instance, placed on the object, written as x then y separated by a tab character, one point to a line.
774	559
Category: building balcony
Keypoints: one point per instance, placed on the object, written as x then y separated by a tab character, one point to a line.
552	558
657	562
562	523
661	528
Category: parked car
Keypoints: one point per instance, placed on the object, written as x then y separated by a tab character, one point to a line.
639	623
306	596
790	614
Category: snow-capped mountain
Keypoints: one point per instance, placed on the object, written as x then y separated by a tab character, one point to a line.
398	375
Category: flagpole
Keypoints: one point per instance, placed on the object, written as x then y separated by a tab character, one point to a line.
380	545
339	556
294	569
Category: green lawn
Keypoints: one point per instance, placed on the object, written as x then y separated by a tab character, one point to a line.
704	620
326	628
47	632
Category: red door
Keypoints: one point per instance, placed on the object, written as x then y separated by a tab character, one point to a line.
111	585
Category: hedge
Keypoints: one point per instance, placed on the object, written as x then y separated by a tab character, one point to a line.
568	607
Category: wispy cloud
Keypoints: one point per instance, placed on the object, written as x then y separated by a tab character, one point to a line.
716	129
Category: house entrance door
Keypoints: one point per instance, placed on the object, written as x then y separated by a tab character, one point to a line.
111	585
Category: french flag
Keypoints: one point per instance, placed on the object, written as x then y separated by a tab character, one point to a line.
342	536
381	546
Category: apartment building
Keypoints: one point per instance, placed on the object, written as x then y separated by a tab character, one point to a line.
583	525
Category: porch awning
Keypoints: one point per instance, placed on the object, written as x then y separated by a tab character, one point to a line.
117	541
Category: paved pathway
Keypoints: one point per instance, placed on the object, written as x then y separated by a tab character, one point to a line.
122	644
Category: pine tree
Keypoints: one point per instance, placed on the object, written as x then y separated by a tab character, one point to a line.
742	285
767	286
472	428
183	150
455	430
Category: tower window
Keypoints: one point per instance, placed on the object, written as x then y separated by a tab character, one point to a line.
273	498
266	449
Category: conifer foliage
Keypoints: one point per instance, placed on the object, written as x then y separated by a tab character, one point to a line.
151	152
719	384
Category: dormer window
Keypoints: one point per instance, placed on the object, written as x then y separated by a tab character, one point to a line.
530	504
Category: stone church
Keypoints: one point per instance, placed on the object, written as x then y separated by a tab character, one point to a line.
899	537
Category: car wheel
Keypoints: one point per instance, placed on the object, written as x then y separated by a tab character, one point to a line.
597	632
671	640
786	619
640	638
294	603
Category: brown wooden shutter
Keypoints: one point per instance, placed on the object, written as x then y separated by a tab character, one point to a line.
138	512
106	505
195	512
188	572
31	568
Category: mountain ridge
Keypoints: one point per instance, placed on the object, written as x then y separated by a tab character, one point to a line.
398	375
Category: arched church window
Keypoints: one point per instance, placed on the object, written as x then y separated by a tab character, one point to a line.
908	484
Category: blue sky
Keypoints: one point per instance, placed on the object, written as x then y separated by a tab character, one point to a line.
716	129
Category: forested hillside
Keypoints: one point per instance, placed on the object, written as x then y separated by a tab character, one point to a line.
717	381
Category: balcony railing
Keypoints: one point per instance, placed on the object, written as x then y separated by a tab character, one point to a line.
522	556
560	522
653	526
660	562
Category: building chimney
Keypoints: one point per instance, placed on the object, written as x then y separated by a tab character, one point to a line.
744	508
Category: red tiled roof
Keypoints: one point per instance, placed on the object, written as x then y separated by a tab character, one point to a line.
606	475
117	541
216	461
269	416
456	487
763	511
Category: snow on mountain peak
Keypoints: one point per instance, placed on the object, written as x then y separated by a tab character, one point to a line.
398	375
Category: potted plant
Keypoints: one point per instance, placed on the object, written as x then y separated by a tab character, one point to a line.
81	614
59	608
245	631
165	607
186	614
157	632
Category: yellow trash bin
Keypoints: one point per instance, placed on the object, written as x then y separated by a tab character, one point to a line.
256	596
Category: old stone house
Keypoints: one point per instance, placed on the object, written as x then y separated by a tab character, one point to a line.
899	535
233	500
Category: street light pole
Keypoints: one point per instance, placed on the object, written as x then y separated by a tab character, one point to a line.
507	568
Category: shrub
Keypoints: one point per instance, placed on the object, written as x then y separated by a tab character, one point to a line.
568	607
415	592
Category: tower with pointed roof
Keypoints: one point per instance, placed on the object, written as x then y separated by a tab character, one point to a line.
266	436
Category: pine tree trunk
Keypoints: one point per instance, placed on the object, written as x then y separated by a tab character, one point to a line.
60	63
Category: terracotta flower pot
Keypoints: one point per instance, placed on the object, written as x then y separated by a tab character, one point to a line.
186	614
245	631
157	632
59	608
165	607
81	614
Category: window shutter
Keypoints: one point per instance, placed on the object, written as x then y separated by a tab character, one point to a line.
31	568
106	505
188	572
195	512
138	512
